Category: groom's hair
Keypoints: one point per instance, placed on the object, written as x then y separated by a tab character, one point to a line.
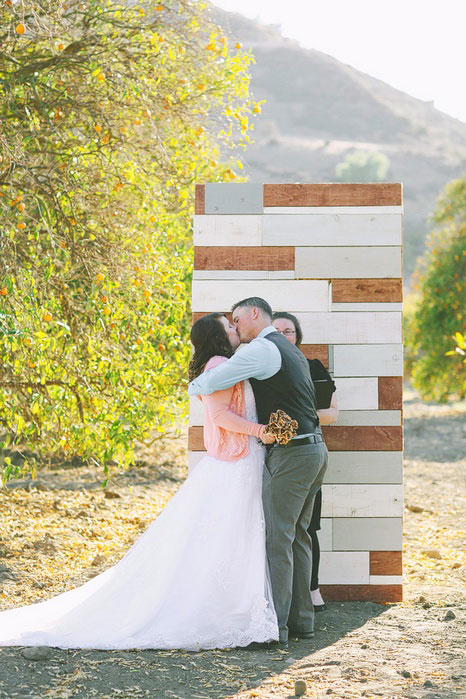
254	301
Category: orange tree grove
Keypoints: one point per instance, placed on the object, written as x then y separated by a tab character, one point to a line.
109	113
439	316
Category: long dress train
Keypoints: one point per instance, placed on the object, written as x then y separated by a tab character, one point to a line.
196	579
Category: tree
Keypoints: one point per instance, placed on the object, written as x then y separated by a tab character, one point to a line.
439	314
109	113
362	166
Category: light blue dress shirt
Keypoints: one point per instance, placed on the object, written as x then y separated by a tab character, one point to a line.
259	359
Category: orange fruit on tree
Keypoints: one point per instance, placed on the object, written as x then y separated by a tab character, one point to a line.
61	47
3	292
159	8
104	299
20	28
107	311
21	225
99	278
20	207
97	128
237	45
47	317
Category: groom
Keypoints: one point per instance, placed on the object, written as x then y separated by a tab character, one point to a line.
293	473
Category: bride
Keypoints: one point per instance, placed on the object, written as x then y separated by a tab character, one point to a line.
197	578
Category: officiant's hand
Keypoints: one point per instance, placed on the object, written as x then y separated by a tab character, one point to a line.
266	438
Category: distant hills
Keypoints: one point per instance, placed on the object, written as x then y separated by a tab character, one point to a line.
318	110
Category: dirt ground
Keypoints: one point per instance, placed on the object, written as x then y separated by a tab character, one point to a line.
62	528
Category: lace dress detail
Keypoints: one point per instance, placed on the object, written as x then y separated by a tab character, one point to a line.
196	579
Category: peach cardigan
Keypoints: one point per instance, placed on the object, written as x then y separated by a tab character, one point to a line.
225	428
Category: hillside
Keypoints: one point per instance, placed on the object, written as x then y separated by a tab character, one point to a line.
318	110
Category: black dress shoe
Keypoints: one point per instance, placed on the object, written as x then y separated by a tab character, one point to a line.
320	607
302	634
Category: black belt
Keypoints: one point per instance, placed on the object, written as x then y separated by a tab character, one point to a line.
312	439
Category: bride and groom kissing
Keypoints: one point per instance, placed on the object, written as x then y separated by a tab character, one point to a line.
228	561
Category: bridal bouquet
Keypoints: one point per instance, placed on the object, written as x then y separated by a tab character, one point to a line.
281	426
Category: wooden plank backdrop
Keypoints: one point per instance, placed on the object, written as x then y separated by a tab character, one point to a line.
332	254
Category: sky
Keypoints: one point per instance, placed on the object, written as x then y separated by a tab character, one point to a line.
417	46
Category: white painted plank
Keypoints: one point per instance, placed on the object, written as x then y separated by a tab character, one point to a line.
357	393
325	535
338	567
196	412
366	307
348	262
333	210
244	274
368	360
385	579
332	229
231	230
355	418
362	500
348	328
364	467
367	534
217	295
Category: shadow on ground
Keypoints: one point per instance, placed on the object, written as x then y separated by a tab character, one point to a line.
203	675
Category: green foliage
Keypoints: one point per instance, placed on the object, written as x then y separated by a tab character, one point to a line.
363	166
109	114
441	305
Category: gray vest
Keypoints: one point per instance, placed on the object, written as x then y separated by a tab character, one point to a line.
290	389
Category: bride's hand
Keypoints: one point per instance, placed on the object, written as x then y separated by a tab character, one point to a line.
266	438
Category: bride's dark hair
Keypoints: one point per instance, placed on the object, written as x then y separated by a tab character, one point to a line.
209	338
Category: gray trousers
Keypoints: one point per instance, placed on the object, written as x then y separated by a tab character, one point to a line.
292	477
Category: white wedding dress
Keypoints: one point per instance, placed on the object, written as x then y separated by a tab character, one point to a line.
196	579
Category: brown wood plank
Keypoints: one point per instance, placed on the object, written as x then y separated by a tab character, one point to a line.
244	257
199	199
367	291
390	392
362	593
336	438
333	194
196	438
198	314
370	438
316	352
385	563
